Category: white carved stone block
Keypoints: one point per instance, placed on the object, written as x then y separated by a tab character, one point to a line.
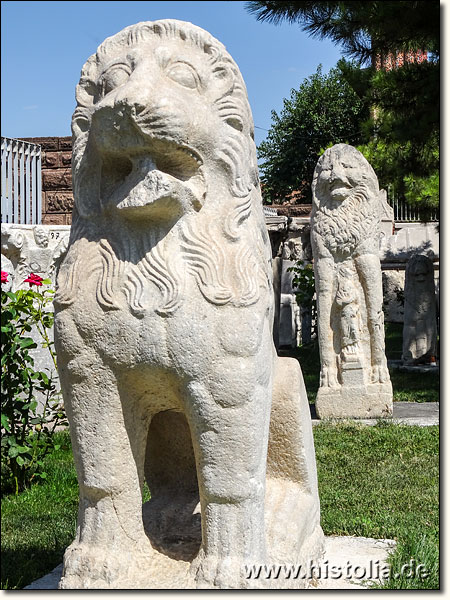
164	330
37	249
345	226
420	323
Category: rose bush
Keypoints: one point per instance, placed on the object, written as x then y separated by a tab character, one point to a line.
26	427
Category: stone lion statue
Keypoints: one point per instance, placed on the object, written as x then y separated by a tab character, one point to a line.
163	329
345	229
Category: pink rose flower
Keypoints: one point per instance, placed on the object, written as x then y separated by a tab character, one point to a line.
33	279
4	277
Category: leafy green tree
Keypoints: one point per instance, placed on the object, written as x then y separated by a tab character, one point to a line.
324	110
402	135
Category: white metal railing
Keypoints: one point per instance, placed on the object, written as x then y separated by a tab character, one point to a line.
406	213
270	212
21	182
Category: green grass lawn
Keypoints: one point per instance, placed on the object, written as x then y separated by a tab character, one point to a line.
407	387
39	523
379	481
382	482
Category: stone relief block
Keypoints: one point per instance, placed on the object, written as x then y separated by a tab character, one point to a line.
290	324
164	312
345	226
393	293
35	249
56	179
420	322
50	160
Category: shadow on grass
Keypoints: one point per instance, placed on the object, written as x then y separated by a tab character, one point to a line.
34	564
39	523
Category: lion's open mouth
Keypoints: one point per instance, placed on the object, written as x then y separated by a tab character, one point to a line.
161	177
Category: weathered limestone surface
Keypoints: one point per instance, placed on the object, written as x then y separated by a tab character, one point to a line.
393	288
420	325
345	226
164	330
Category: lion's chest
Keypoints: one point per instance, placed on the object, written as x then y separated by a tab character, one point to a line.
116	336
187	341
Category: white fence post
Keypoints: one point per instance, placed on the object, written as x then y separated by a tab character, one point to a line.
21	181
404	212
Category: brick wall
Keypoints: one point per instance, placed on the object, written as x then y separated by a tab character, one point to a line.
57	196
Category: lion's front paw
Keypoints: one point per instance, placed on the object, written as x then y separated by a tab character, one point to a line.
380	374
97	567
328	377
213	572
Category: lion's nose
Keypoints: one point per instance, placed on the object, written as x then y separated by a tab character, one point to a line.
140	91
337	173
133	96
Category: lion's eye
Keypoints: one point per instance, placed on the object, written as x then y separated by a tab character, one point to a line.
114	77
183	74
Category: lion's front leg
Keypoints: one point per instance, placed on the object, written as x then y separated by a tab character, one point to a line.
369	272
229	422
324	275
108	438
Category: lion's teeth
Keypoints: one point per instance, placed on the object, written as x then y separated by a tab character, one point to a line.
192	155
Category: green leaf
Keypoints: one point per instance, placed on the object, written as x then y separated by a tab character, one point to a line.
5	423
27	343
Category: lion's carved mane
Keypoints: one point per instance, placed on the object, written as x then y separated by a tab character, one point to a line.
343	226
347	225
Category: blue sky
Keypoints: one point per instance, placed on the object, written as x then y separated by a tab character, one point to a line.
45	44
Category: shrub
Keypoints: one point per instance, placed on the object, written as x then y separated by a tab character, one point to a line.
26	430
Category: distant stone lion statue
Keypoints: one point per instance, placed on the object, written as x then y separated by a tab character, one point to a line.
163	329
345	230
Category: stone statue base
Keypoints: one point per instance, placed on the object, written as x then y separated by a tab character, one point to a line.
369	401
290	541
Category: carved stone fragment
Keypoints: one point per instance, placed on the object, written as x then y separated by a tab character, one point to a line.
420	325
164	330
345	226
37	249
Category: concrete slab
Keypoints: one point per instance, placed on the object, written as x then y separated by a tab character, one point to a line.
354	563
48	582
422	414
348	563
429	368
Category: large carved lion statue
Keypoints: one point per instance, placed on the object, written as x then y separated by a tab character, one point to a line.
345	230
163	328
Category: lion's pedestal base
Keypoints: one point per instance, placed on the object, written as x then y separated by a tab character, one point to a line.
371	401
293	536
